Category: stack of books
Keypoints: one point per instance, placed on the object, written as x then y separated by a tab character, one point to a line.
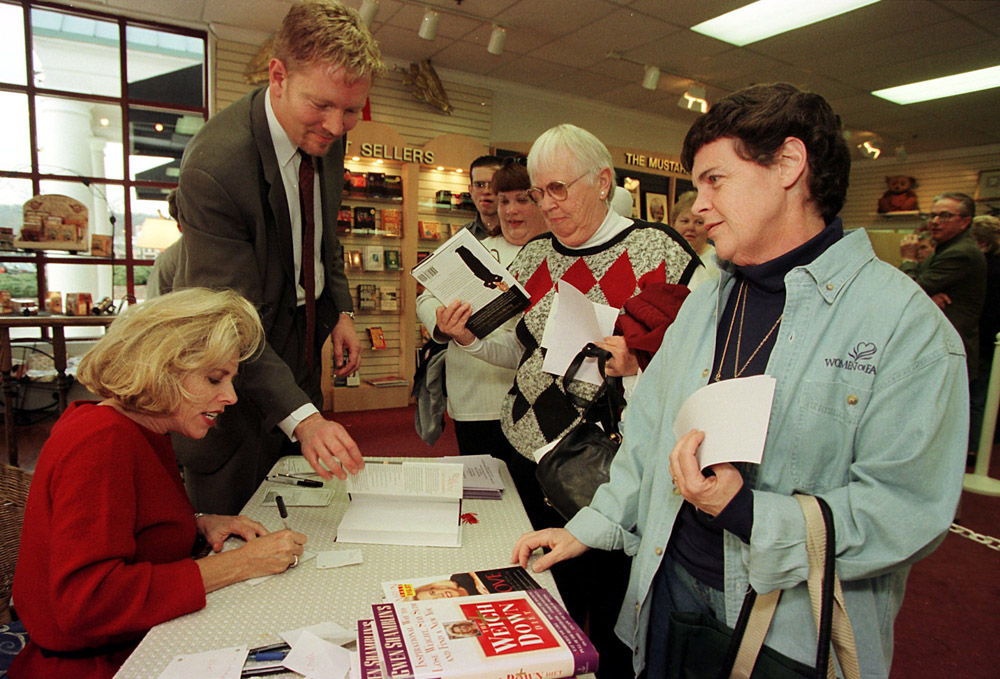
492	636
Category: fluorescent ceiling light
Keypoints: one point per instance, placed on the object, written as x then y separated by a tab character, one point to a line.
948	86
765	18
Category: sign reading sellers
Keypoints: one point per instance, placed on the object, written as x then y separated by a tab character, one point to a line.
653	162
405	154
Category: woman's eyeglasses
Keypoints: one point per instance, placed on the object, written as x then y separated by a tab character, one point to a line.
557	190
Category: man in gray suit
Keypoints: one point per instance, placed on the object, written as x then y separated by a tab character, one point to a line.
247	226
955	275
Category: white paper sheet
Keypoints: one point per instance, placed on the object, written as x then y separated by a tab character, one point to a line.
222	663
328	631
734	416
306	555
317	659
335	558
573	322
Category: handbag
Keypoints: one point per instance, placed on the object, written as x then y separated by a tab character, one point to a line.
571	472
701	647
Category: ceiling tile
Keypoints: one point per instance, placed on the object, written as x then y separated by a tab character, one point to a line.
853	29
258	15
681	52
963	57
404	43
555	18
449	25
530	71
471	58
584	83
687	14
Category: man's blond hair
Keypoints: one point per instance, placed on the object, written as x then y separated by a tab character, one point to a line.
327	32
148	351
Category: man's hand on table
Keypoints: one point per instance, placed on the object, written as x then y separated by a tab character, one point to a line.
328	447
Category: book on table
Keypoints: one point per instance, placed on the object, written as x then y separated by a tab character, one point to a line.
481	478
404	503
491	636
469	583
463	269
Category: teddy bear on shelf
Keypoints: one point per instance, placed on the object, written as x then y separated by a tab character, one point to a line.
899	197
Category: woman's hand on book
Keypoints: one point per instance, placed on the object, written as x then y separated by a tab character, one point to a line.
559	541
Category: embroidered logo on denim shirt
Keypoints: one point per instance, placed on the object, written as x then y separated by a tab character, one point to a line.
857	358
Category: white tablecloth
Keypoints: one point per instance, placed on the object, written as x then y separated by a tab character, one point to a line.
254	615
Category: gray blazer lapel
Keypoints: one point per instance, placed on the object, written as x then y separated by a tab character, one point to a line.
277	200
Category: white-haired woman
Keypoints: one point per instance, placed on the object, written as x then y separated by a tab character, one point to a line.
610	259
108	529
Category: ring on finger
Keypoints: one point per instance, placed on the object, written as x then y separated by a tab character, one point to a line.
295	562
673	483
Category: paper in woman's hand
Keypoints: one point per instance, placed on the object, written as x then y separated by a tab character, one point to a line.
733	414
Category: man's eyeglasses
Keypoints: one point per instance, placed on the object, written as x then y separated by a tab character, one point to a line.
941	216
558	190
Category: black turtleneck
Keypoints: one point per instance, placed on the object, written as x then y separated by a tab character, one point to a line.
696	541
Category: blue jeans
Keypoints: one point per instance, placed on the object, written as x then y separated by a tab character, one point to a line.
674	589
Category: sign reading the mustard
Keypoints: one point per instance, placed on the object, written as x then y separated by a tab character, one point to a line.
405	154
653	162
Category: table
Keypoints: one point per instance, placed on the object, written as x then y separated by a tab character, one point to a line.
57	325
253	615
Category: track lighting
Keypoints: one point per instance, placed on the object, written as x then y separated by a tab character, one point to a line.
497	39
429	25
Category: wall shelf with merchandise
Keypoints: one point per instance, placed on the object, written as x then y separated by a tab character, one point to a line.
385	200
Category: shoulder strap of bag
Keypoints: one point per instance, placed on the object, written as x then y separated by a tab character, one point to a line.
751	628
825	594
825	591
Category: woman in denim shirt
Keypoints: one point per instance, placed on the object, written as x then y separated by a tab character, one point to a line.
869	410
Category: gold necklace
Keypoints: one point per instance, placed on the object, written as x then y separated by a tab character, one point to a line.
737	370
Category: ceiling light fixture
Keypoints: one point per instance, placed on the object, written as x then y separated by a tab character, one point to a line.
766	18
650	73
938	88
650	77
694	99
368	11
870	150
429	25
497	38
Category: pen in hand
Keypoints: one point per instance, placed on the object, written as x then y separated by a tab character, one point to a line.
280	501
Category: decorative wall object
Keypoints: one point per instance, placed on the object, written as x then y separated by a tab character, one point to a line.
899	195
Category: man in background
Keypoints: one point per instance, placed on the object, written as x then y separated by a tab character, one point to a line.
487	222
955	275
258	196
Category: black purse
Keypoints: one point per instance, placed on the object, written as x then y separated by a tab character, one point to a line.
701	647
570	473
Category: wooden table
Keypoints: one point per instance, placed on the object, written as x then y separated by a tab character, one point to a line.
255	614
56	325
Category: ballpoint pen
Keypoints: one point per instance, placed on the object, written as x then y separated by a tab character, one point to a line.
310	483
307	483
280	501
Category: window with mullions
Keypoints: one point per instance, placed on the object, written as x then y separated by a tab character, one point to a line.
98	108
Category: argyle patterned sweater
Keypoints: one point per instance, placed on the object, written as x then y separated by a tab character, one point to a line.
537	410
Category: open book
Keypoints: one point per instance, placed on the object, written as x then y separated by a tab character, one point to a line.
404	503
463	269
492	636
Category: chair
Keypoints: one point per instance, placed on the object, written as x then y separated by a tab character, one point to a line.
14	484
